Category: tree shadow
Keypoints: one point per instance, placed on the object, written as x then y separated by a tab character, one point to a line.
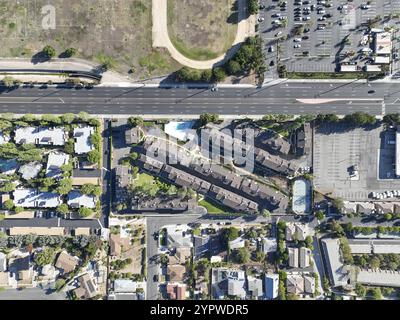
40	57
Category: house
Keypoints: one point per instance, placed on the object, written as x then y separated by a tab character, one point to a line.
272	142
309	284
178	238
51	136
228	282
118	244
176	272
298	231
383	43
295	284
87	288
83	143
8	166
304	257
132	136
293	257
123	286
123	178
83	176
3	262
384	207
4	138
255	287
267	245
176	291
32	198
30	170
55	161
66	262
201	245
271	286
181	255
304	140
237	243
76	199
349	207
365	207
21	269
164	203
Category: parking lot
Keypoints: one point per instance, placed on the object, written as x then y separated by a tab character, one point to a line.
315	35
337	149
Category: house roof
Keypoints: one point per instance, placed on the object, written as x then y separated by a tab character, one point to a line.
124	286
117	244
87	287
255	286
82	136
54	162
132	135
181	255
66	262
41	135
77	199
176	291
32	198
295	284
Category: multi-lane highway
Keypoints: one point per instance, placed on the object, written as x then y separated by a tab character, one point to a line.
285	97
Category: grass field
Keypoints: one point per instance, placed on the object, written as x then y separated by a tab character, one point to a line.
118	30
213	207
202	29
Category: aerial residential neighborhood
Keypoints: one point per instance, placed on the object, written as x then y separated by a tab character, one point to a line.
200	150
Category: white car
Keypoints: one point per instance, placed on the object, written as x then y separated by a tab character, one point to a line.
298	45
297	39
365	6
320	27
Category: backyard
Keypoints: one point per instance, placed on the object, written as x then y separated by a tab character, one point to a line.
114	31
202	29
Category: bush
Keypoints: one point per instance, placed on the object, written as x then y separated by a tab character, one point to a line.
85	212
49	51
135	121
8	204
208	118
219	74
94	156
70	52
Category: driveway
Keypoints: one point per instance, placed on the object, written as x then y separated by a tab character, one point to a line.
246	28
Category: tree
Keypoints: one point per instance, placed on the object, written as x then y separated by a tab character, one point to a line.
388	216
135	121
62	208
346	251
392	118
60	283
49	51
219	74
68	118
241	255
85	212
87	188
208	118
8	204
69	146
44	257
253	6
375	263
233	67
320	215
83	116
70	52
229	234
94	156
8	81
64	186
360	290
206	75
266	213
260	256
376	293
309	242
360	119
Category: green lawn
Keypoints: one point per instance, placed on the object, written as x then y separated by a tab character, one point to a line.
213	207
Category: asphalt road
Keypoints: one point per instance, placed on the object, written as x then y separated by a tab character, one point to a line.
280	98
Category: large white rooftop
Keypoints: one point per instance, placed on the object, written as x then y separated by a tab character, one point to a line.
82	139
41	135
77	199
31	198
54	162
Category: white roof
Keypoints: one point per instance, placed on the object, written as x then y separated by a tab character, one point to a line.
373	67
237	243
384	278
125	286
41	135
54	162
31	198
268	244
82	139
382	59
348	68
77	199
383	43
337	271
4	138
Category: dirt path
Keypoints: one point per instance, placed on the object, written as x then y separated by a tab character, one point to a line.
246	28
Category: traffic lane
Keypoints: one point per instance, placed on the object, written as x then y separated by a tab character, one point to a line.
196	108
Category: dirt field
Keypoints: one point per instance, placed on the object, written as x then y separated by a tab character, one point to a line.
202	29
117	30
